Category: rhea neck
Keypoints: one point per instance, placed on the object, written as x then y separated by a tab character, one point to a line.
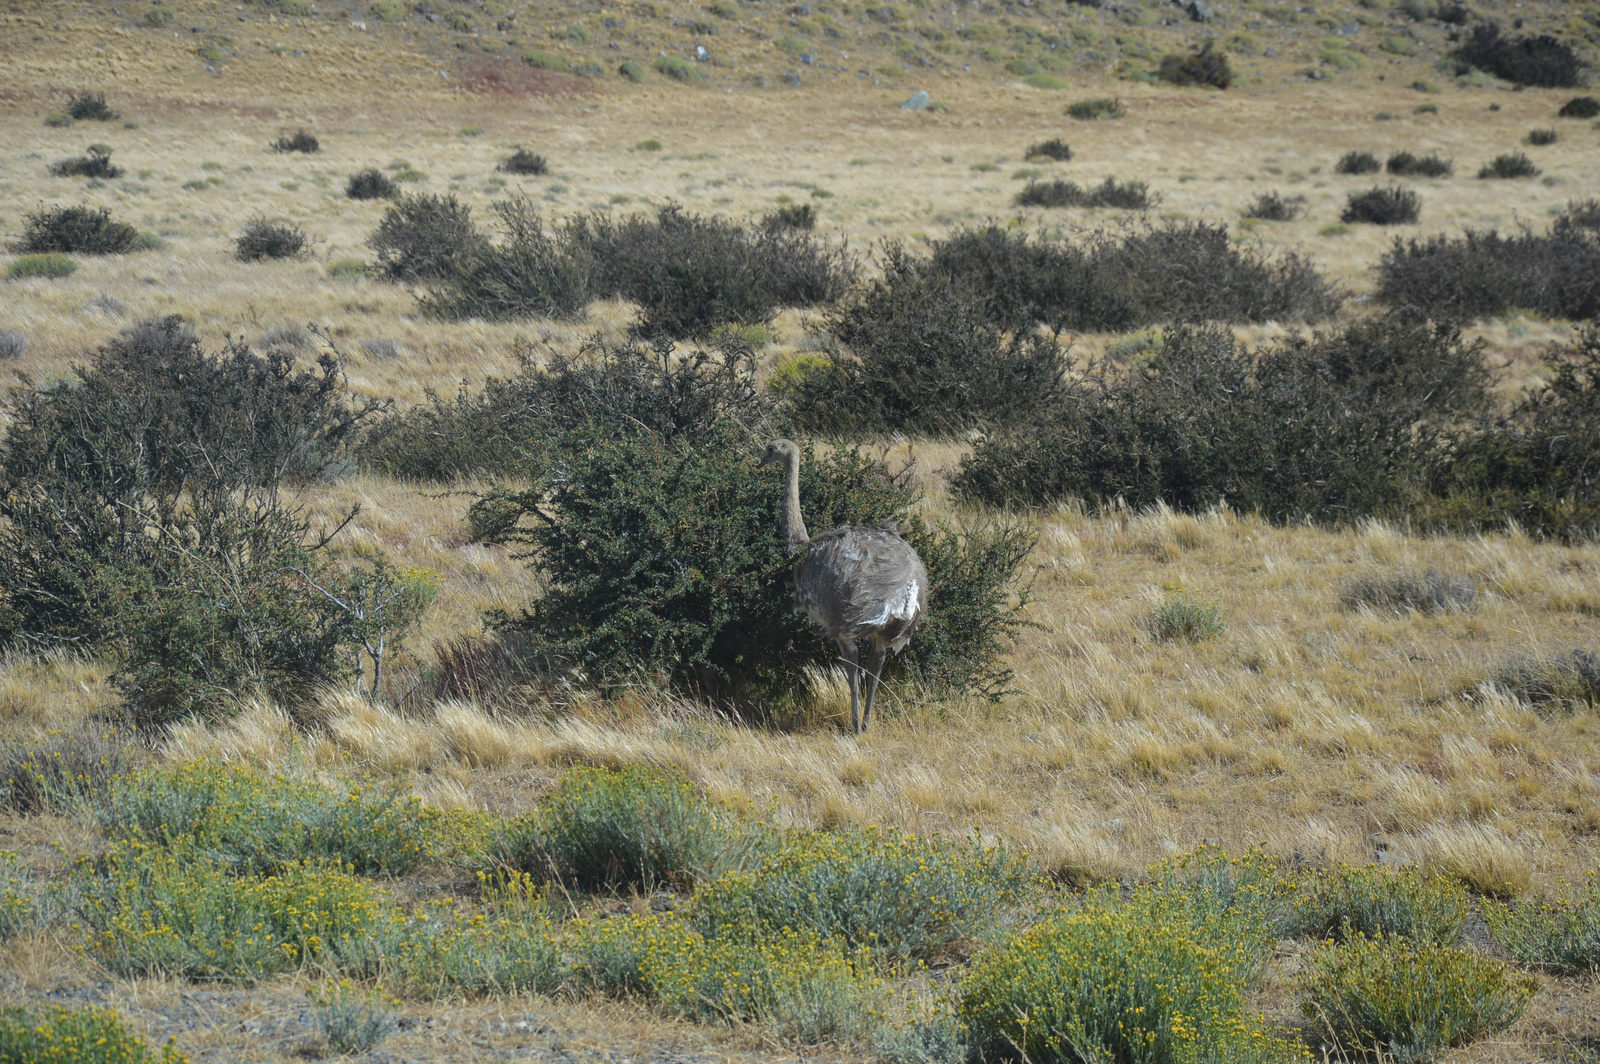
792	526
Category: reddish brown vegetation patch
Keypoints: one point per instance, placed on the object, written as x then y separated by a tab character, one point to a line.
495	76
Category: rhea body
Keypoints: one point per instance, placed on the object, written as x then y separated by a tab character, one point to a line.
859	585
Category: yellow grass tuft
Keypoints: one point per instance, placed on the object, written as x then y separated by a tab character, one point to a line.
1481	858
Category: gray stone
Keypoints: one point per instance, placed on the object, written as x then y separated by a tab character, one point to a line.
1200	11
700	53
917	102
807	58
791	79
1389	857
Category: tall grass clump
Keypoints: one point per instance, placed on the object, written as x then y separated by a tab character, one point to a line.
1544	61
1109	982
257	824
1382	206
896	894
1408	1000
149	515
83	230
1564	682
1191	431
426	237
1559	936
1182	618
58	1035
1429	591
638	827
1375	901
96	162
609	523
175	913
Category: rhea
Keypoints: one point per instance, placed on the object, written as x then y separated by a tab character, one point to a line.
858	584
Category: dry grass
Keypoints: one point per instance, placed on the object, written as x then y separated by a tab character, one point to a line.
1304	727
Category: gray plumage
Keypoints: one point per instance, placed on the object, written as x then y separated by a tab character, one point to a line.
858	584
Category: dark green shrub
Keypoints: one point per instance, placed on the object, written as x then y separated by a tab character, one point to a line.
690	274
91	107
1432	591
1324	427
1054	148
1542	138
1535	464
610	387
1567	682
1375	901
143	515
370	184
522	161
1483	273
632	71
1357	162
85	230
896	894
1099	107
67	773
263	239
791	216
1133	195
1543	61
426	237
1580	107
610	521
1382	206
1205	67
300	141
96	163
75	1036
639	827
920	355
51	264
1271	207
1510	166
530	273
678	69
1404	164
1408	1000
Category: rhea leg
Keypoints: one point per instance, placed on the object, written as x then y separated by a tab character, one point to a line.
852	669
874	672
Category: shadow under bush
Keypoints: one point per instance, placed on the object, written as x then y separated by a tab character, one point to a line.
145	516
1481	273
1331	427
610	518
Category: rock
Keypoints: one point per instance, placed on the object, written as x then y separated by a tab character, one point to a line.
431	17
1201	11
1388	857
791	79
807	58
800	10
612	23
917	102
1315	75
700	53
1170	848
1348	28
1211	840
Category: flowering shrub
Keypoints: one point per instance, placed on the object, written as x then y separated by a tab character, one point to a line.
1113	984
1407	1000
1563	936
253	823
19	898
1377	901
153	910
877	889
75	1036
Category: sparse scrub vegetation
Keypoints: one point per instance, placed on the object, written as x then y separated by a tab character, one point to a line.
1566	682
91	107
1097	107
1273	207
791	216
1180	617
266	239
370	184
79	230
96	162
1054	148
1543	61
1378	902
426	237
50	264
1383	206
1542	138
524	162
1357	162
64	773
1205	67
1558	936
1580	107
76	1036
298	141
1405	164
1431	590
1130	196
1508	167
